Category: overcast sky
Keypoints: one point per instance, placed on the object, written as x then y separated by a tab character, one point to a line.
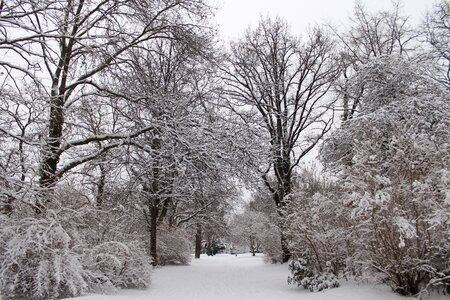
234	16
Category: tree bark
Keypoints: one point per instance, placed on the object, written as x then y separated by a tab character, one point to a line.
198	241
101	186
153	239
50	155
285	248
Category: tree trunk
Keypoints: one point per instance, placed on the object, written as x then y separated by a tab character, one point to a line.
209	250
156	200
101	185
153	225
50	153
198	241
6	207
284	247
251	245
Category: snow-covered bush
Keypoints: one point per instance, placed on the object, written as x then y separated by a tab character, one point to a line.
300	269
173	246
40	259
272	246
118	265
320	282
391	160
316	223
303	275
68	251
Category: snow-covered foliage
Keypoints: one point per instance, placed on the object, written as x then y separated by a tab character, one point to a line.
118	265
271	245
392	162
437	34
41	259
121	143
384	208
131	140
263	210
69	251
303	275
174	246
316	223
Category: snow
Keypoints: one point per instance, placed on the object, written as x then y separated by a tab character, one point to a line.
225	277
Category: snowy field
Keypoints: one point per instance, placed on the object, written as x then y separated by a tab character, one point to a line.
242	277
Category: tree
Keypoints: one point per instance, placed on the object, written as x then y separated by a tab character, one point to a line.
437	28
66	49
392	162
178	170
71	126
251	228
22	121
370	35
280	85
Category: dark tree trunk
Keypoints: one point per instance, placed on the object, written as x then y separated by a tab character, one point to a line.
50	153
153	240
284	247
209	250
154	205
279	194
101	186
59	93
198	241
6	207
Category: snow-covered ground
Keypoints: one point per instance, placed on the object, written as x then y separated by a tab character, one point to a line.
242	277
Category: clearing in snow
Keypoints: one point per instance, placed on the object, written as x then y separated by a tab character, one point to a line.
242	277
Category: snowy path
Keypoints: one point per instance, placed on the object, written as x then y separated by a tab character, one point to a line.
228	277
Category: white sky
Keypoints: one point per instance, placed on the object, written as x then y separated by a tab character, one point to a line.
234	16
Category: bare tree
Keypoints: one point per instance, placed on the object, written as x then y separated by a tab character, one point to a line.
67	48
437	32
285	82
175	167
367	36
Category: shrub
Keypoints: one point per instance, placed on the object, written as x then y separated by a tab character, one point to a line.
118	265
272	247
40	260
57	255
173	247
319	282
303	275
